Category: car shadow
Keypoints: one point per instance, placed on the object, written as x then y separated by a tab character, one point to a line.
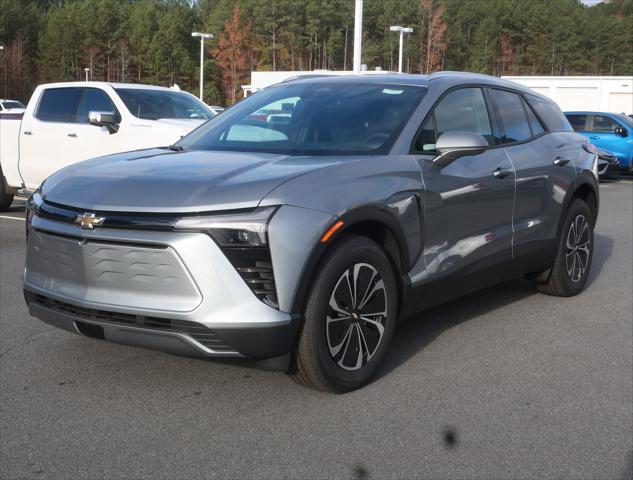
18	205
414	334
603	248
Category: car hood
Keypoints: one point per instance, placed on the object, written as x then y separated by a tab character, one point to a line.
162	180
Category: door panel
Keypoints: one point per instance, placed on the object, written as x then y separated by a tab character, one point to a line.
467	221
43	134
545	171
602	135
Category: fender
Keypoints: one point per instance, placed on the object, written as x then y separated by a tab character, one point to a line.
583	180
383	213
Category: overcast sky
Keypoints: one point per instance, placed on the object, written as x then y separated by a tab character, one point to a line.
590	2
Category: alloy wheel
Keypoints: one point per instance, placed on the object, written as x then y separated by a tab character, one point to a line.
577	248
356	316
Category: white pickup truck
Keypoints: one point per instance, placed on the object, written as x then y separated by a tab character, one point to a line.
65	123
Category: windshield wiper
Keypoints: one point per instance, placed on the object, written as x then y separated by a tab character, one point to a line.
175	148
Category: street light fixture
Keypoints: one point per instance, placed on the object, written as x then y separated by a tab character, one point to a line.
202	37
402	31
87	70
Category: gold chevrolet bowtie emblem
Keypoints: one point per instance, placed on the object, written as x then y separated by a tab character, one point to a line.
89	221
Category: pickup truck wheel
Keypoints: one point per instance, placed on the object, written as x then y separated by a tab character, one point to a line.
349	318
5	198
575	252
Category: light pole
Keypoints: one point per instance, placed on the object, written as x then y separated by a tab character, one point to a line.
202	37
402	31
358	34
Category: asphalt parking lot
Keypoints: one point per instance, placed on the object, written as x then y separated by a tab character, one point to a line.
505	383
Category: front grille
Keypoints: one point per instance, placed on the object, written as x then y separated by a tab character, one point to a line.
256	269
198	332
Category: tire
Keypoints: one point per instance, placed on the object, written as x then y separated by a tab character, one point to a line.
321	359
5	198
574	255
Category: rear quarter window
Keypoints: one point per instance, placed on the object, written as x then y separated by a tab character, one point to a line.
549	112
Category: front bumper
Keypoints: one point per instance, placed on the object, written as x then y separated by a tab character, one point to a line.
172	291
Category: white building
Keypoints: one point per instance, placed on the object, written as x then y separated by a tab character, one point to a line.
601	94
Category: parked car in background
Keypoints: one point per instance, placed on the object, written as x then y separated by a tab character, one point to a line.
11	106
612	132
215	109
304	241
65	123
608	164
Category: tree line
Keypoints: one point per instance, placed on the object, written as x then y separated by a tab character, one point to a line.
149	41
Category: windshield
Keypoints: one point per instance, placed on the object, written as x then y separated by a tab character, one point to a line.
12	104
625	119
157	104
312	119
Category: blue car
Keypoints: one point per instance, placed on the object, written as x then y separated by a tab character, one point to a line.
610	131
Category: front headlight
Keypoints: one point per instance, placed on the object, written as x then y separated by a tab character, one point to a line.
32	208
241	229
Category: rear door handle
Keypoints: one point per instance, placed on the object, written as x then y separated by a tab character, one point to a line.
501	172
28	132
561	162
595	137
74	135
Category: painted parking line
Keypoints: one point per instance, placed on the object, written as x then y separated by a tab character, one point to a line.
12	218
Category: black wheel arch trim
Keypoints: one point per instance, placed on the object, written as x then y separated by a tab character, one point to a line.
375	212
583	179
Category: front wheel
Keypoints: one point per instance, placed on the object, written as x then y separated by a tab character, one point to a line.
349	318
575	253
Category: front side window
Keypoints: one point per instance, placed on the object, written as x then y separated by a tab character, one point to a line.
578	122
95	100
462	110
326	118
512	116
59	104
603	124
157	104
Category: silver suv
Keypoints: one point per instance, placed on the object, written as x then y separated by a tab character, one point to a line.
301	224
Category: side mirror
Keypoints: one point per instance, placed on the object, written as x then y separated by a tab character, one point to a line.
620	131
453	145
104	119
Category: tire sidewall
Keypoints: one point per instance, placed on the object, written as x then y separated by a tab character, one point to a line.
578	207
346	253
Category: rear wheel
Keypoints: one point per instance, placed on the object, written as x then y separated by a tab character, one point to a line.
349	318
575	252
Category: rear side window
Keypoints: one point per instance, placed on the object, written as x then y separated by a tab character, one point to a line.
535	123
514	122
549	112
578	122
603	124
462	110
59	104
95	100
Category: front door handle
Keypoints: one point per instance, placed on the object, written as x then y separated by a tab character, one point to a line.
561	162
74	135
501	172
595	137
28	132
